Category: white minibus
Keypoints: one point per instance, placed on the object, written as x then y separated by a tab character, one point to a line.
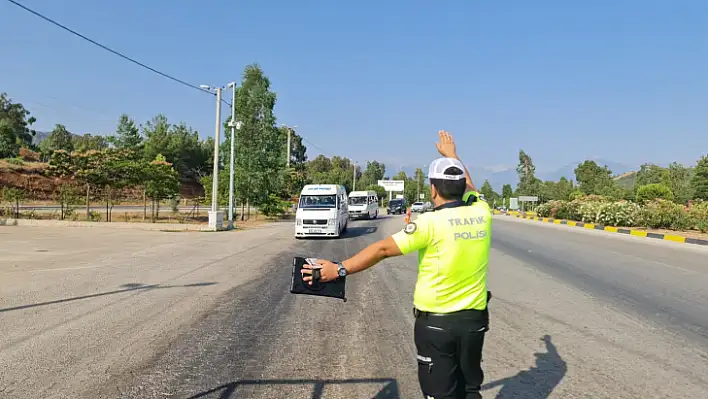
363	204
322	211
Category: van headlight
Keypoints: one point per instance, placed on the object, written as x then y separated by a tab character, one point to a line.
331	222
298	222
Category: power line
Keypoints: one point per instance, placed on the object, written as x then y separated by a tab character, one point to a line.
180	81
316	147
165	75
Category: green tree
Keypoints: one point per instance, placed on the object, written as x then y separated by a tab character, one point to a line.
260	161
488	191
162	182
507	193
564	188
651	174
374	172
185	151
128	136
593	179
58	139
13	196
88	142
9	144
157	137
528	184
654	191
15	127
90	168
679	182
699	181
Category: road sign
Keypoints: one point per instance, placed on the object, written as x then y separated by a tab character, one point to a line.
392	185
528	198
421	196
513	203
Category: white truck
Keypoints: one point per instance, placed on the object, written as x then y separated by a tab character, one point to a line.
322	211
363	204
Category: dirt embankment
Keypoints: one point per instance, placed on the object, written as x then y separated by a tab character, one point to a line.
37	186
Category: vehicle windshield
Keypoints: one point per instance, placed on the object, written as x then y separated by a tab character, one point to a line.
357	200
418	203
396	202
318	201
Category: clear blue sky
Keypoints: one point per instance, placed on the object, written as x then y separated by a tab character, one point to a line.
623	80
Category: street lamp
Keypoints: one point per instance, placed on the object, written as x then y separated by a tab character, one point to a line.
235	125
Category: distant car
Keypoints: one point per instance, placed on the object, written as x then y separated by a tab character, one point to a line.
397	206
418	207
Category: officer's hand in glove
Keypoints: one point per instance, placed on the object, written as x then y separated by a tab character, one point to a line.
328	271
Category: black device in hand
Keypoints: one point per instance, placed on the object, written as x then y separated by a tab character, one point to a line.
332	289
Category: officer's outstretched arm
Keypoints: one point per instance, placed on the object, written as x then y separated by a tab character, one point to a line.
415	236
372	255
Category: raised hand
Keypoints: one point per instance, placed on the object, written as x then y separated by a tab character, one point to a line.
446	146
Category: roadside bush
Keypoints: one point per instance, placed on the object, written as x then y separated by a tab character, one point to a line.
663	214
619	214
656	214
699	215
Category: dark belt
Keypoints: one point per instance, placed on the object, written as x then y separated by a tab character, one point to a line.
460	313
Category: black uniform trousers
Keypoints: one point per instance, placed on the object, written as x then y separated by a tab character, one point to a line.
450	353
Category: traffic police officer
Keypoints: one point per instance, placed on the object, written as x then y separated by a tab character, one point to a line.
450	300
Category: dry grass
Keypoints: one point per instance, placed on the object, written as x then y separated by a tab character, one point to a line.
28	166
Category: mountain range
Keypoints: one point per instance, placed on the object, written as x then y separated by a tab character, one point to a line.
500	175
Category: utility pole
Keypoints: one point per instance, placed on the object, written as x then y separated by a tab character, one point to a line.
233	125
289	151
216	218
288	162
354	178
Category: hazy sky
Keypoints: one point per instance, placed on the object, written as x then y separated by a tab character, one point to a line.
564	80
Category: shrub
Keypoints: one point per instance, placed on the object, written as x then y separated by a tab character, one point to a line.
29	155
15	161
620	214
652	192
699	215
663	214
274	206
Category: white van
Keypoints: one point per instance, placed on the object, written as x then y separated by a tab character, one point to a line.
363	204
322	211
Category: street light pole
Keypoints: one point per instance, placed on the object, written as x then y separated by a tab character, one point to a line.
233	124
354	178
217	136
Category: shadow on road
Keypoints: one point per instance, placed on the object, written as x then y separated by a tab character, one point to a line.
228	391
358	231
536	382
126	288
352	232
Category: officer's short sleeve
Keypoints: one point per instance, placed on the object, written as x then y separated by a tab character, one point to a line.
470	196
415	236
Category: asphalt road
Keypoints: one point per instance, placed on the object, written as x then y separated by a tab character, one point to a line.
144	314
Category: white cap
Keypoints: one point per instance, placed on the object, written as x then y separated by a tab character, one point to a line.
439	166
